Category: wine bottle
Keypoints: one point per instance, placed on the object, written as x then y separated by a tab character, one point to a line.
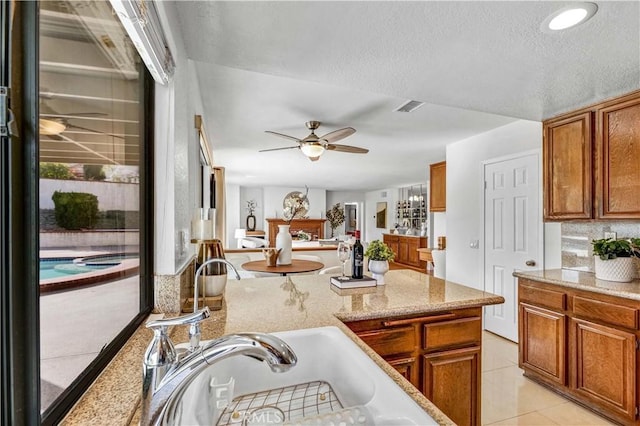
358	258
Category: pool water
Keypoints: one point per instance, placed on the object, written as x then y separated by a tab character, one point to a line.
63	267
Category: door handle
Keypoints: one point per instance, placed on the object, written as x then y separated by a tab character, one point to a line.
530	263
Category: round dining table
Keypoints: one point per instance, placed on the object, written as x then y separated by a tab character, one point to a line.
297	266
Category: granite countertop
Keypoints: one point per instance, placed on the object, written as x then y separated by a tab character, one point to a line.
269	305
584	281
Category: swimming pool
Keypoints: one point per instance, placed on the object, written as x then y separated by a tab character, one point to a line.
66	266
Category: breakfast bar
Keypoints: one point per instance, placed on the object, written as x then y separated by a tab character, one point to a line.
411	317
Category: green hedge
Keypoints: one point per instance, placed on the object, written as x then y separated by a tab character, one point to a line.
55	171
75	210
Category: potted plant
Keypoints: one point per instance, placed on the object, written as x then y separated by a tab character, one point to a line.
379	255
335	216
614	258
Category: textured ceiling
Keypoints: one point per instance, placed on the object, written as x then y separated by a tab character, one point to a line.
274	65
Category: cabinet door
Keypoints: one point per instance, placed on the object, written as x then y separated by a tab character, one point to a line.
392	242
438	187
408	367
567	162
618	176
451	380
542	335
403	251
605	370
412	252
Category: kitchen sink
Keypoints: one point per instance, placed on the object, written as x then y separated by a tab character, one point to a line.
333	382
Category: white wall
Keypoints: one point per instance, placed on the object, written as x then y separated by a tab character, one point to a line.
465	199
176	153
232	202
342	197
248	194
391	197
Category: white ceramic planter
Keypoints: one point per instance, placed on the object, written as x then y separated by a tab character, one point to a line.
283	242
213	285
378	268
620	269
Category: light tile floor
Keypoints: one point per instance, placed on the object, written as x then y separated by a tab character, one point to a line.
509	398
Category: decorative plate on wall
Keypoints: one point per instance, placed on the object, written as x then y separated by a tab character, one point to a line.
296	203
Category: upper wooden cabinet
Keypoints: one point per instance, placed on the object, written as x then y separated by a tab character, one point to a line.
589	161
567	152
618	148
438	187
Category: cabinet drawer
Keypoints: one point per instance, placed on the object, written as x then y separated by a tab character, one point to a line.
540	296
391	341
454	333
607	312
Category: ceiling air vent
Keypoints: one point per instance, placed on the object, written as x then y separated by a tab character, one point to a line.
410	106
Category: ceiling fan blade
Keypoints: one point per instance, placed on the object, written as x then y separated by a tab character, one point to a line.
347	148
278	149
282	135
339	134
93	131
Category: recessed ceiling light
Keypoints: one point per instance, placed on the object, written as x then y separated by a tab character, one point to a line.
568	17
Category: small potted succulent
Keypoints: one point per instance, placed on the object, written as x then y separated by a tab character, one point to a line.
614	259
379	255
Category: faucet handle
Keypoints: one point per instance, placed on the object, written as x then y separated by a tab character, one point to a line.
193	318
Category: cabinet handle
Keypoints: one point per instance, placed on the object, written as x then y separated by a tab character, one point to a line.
530	263
409	321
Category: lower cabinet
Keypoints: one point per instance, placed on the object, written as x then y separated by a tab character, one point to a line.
542	342
438	353
408	367
451	381
605	366
406	248
582	344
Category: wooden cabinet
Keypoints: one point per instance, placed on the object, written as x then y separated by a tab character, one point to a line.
438	353
618	149
450	381
589	162
605	367
406	249
438	187
583	344
314	227
567	153
407	366
542	342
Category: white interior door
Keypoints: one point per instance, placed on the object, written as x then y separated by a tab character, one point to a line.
513	234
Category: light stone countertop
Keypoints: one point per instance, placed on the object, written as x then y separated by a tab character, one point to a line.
584	281
267	305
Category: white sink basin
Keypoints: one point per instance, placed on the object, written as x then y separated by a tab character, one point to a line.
325	355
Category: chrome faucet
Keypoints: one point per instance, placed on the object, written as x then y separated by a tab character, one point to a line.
166	376
199	272
194	327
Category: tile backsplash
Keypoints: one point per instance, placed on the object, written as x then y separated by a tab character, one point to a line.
577	237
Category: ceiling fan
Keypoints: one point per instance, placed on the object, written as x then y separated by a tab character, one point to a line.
52	123
313	146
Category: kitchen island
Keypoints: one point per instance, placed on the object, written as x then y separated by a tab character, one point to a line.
579	336
409	299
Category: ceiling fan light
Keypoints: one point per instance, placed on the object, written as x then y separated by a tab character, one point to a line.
568	17
50	127
312	149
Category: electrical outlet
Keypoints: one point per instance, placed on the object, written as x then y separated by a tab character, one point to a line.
474	244
611	235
